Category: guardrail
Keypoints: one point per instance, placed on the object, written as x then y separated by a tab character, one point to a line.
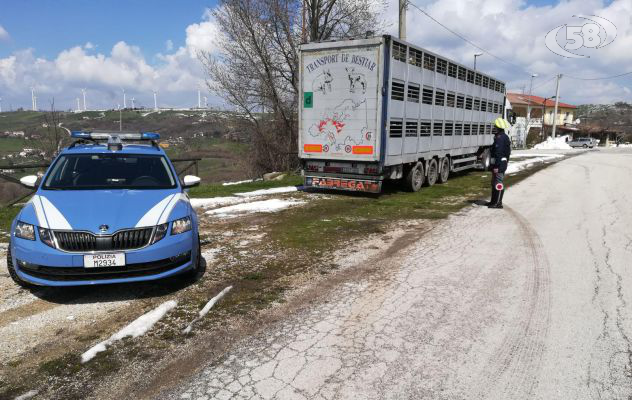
192	163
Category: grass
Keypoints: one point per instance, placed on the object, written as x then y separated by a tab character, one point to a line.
7	214
12	144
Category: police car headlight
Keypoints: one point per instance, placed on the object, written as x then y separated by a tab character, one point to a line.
24	231
46	236
181	225
160	232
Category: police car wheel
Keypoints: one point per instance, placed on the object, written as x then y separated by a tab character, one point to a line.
196	272
433	172
415	177
444	170
14	275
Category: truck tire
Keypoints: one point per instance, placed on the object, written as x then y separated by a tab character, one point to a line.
444	170
433	172
415	178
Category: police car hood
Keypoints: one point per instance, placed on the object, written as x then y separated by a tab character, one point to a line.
118	209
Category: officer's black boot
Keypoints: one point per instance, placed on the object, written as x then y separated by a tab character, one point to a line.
500	199
494	200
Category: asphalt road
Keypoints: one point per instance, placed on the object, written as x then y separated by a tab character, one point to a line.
532	301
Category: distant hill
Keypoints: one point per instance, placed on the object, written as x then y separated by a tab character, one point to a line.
616	118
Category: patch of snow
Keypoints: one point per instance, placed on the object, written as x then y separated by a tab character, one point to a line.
216	201
28	395
137	328
526	164
559	143
266	206
240	182
207	308
263	192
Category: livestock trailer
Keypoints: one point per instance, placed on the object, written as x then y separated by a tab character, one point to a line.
381	108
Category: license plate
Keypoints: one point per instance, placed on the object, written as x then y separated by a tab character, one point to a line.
104	260
357	185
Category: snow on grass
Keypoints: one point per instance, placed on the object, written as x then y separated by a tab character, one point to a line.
212	202
206	309
559	143
28	395
526	164
265	206
240	182
263	192
137	328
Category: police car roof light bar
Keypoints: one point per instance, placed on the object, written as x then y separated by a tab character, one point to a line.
106	135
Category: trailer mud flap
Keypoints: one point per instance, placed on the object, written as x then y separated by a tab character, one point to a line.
354	185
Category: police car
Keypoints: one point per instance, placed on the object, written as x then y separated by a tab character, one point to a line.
107	211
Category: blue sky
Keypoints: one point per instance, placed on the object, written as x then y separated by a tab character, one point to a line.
60	24
59	47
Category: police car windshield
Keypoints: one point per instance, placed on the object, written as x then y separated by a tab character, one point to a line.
110	171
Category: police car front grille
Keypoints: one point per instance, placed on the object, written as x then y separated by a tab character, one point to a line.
86	241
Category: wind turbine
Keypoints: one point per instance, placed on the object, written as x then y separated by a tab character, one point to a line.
205	102
78	105
133	107
155	101
84	99
33	101
0	104
199	99
124	100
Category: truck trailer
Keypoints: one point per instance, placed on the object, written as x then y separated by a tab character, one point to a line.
381	108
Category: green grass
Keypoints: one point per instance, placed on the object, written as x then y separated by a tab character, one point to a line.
12	144
7	214
217	189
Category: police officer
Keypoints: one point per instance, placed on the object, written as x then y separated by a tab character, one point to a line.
501	150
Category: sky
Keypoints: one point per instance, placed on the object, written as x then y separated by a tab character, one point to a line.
106	47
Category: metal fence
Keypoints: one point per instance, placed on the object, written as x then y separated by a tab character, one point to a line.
182	165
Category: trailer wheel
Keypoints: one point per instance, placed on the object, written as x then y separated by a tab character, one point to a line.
444	170
433	172
415	178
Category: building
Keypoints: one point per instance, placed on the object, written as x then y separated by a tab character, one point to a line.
534	130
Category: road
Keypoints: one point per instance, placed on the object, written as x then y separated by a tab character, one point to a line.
532	301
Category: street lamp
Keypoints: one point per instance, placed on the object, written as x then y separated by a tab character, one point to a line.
476	55
529	108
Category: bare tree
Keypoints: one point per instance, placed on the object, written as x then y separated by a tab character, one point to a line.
256	67
55	136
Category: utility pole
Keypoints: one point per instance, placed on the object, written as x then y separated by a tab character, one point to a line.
476	55
526	133
557	100
402	19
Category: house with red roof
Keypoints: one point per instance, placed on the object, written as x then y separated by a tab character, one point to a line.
538	126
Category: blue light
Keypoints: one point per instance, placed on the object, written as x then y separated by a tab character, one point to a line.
150	136
80	135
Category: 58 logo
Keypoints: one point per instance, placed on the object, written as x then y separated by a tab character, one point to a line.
597	33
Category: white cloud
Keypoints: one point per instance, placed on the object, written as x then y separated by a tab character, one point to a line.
515	31
169	45
176	74
4	35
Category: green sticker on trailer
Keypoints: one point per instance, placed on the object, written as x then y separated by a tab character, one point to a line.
308	99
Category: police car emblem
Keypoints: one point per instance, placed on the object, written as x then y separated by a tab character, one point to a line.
104	228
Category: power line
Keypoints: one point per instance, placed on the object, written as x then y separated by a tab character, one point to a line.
544	83
598	79
466	39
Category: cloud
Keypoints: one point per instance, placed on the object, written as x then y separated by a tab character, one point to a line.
176	74
169	45
515	31
4	35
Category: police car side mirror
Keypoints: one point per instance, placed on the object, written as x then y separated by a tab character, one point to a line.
190	181
30	181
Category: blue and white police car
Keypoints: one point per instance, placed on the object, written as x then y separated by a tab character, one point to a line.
109	209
